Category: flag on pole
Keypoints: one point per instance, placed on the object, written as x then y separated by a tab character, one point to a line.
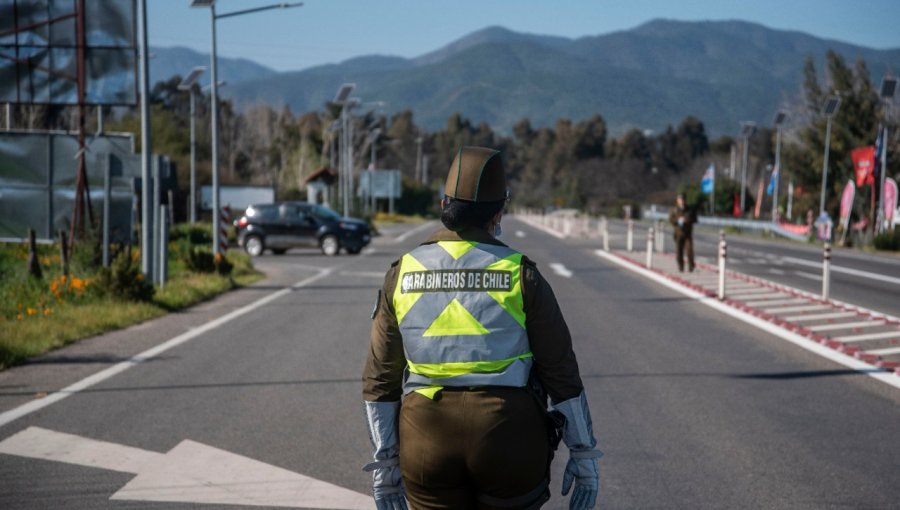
864	165
709	179
771	187
876	172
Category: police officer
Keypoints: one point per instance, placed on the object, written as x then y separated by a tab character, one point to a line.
682	220
463	331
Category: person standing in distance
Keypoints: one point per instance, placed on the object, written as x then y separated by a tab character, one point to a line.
682	220
467	342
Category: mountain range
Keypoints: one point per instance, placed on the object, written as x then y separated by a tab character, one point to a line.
647	77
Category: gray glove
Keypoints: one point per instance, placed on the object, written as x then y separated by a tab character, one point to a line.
387	484
582	468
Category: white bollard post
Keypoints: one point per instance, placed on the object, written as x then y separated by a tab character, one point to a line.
660	239
826	272
605	228
629	238
723	253
650	248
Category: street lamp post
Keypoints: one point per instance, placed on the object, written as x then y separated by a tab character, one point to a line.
188	84
214	121
888	87
373	138
747	130
830	108
779	120
342	98
147	226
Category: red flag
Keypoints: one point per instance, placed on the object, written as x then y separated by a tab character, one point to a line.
736	208
864	165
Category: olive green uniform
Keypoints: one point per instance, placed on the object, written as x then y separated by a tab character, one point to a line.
682	221
474	447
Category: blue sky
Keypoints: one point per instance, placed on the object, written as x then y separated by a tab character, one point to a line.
329	31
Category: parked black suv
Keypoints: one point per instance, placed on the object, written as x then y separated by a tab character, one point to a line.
285	225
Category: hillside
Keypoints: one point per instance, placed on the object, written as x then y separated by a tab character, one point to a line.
168	62
647	77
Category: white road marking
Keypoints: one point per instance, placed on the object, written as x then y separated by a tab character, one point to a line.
846	325
776	271
370	274
764	302
885	352
560	269
91	380
810	276
547	230
749	290
804	308
800	341
754	295
820	316
189	473
869	336
520	233
406	235
845	270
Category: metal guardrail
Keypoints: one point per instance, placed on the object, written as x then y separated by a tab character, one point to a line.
766	226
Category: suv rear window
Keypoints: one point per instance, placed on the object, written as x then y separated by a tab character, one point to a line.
262	212
325	213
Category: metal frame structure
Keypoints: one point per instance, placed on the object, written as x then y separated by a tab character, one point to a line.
80	45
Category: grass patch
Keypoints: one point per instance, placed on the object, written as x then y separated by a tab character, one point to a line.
41	314
67	323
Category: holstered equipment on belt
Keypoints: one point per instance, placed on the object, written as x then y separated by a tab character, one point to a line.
556	421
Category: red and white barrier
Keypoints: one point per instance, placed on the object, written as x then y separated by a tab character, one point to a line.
224	223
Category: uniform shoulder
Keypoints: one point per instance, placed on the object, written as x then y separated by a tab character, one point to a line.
528	262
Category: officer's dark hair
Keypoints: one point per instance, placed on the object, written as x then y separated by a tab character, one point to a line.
459	214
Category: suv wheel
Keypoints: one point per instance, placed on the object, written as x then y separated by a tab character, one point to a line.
254	246
330	245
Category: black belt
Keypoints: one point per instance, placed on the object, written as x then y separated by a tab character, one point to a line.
534	498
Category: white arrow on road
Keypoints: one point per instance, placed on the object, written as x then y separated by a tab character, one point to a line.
189	473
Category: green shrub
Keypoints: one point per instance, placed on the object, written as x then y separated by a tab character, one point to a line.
889	240
198	260
193	233
123	279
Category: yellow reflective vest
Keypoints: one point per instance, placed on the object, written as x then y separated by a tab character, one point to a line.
460	311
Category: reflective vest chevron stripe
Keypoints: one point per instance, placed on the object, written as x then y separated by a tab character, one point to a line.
460	311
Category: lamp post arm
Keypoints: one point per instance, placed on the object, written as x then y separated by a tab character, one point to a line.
283	5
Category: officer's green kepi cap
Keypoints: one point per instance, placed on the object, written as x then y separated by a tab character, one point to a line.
476	175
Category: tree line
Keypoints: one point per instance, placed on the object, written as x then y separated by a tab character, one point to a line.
578	164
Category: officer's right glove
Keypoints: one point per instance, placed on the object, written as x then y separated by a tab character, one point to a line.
582	468
387	484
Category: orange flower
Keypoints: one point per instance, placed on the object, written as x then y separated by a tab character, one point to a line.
47	312
19	316
31	311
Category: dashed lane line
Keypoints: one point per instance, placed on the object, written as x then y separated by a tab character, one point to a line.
560	269
845	270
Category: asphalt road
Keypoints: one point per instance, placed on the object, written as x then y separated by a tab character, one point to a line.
692	409
868	280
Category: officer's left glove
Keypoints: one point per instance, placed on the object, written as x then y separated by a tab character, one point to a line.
387	483
582	468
